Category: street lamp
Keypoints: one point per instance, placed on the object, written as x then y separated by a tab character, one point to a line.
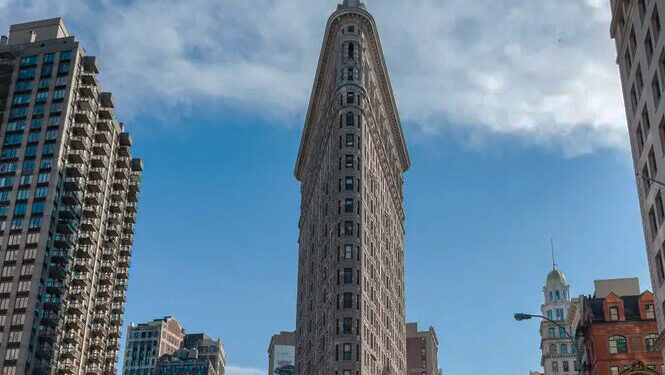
522	316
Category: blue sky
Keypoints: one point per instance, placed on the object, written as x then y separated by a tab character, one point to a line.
514	124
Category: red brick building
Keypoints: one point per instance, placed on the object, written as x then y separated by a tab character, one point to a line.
620	331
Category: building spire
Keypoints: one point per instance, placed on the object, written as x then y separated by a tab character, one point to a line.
553	259
352	4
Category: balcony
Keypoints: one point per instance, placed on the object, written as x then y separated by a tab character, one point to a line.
107	266
76	307
89	79
127	240
72	198
125	139
91	213
81	280
55	287
109	254
105	291
50	319
95	357
121	174
103	125
131	206
116	320
122	163
99	161
74	323
123	151
60	256
128	229
87	92
99	330
119	296
125	251
66	227
90	224
76	170
95	186
116	197
103	138
86	238
115	208
102	305
120	185
46	335
73	183
57	271
120	285
79	293
106	279
134	187
97	174
68	213
106	113
129	218
71	336
79	143
90	64
78	156
83	117
101	149
93	199
97	343
123	261
69	352
83	265
118	308
84	104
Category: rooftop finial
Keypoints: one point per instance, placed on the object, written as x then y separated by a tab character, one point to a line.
352	4
553	260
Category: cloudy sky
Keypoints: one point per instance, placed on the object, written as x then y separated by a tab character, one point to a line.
513	117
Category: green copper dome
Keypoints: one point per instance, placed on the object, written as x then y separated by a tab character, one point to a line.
556	277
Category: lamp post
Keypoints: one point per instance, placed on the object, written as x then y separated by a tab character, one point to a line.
523	316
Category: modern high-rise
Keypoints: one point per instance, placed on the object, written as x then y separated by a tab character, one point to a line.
559	354
637	31
147	342
422	351
68	193
351	305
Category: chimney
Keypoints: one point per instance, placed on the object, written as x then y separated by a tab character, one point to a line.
3	40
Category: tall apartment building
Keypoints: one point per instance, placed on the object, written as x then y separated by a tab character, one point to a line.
147	342
558	351
422	351
636	29
68	193
282	354
351	304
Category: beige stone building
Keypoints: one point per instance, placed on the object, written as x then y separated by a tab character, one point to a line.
281	353
351	305
637	31
422	351
147	342
68	193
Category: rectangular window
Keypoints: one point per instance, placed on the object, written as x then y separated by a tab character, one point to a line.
348	183
348	205
614	313
348	276
35	222
29	60
16	224
348	251
348	161
650	312
348	300
346	352
555	366
565	363
614	370
350	140
348	228
346	325
65	55
37	207
659	267
43	178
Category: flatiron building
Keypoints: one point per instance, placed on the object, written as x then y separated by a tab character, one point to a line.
351	304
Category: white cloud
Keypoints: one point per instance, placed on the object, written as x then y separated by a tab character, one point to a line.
237	370
541	71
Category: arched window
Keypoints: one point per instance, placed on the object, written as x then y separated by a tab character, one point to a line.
351	50
564	349
550	295
350	97
650	342
557	295
349	119
617	344
553	349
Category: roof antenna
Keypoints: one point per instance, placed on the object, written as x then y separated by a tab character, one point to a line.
553	260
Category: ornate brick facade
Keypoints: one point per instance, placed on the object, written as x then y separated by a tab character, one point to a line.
351	304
